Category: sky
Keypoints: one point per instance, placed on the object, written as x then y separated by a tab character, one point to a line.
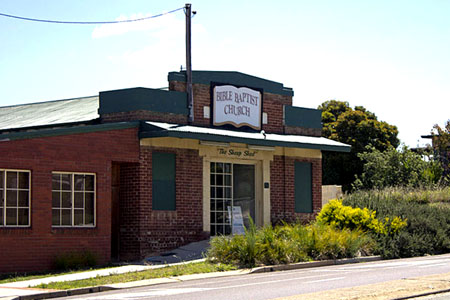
390	56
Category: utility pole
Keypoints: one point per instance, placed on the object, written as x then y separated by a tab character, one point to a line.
188	13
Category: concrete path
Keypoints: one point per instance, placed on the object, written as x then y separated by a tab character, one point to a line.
190	253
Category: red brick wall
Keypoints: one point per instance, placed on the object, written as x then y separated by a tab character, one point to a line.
154	231
303	131
129	225
34	248
272	105
144	115
282	189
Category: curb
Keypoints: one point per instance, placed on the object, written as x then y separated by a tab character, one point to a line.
302	265
315	264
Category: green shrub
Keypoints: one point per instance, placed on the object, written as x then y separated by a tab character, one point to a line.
390	168
75	260
428	228
288	243
341	216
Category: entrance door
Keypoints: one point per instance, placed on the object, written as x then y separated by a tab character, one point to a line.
244	191
232	185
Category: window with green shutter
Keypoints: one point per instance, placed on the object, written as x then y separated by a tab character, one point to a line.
303	187
163	181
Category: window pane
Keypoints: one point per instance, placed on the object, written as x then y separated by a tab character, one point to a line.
79	182
79	200
89	202
219	179
66	217
219	205
56	182
78	217
228	192
66	180
11	180
56	199
1	217
23	216
66	199
24	180
1	179
89	184
227	168
213	167
213	179
89	217
213	217
228	180
219	217
56	218
11	198
219	230
219	167
219	192
11	216
23	198
2	197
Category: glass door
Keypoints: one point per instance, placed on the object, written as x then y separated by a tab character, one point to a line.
244	191
221	197
232	185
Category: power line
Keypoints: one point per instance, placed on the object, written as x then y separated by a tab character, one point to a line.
89	22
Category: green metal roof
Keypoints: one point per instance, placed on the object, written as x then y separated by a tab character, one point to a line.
49	113
45	132
135	99
235	78
302	117
157	129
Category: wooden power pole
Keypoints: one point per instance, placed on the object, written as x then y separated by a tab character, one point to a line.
188	13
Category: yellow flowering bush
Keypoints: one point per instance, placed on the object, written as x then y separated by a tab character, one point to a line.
342	216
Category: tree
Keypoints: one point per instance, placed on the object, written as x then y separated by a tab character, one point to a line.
357	127
392	168
441	146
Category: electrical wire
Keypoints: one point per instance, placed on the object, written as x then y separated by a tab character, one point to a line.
89	22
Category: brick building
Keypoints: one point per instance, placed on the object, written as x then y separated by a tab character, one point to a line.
125	174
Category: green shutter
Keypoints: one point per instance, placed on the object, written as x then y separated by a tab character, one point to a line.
303	187
163	181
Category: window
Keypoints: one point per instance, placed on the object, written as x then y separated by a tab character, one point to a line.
303	187
163	181
221	175
14	198
73	199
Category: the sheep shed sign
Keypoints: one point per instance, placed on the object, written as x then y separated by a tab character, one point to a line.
236	106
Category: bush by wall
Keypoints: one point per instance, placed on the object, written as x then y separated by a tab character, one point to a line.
75	260
341	216
288	243
428	219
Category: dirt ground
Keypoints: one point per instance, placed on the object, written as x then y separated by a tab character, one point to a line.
380	291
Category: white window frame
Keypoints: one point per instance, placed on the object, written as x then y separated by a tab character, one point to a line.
72	190
5	171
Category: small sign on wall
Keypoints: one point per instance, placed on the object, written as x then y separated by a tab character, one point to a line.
236	106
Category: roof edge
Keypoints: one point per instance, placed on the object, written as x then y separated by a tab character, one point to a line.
66	131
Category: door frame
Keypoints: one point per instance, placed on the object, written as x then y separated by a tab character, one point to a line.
260	203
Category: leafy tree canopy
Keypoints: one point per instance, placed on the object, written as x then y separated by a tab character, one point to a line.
441	145
357	127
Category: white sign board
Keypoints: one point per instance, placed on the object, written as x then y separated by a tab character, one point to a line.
237	222
236	106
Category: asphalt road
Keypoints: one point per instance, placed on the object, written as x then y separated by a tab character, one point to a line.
285	283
